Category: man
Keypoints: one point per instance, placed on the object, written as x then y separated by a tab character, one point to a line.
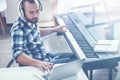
28	48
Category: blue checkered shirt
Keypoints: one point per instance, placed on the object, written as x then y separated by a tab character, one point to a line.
26	39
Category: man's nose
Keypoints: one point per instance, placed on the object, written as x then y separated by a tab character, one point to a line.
36	15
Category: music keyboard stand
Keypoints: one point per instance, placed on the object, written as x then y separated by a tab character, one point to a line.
90	66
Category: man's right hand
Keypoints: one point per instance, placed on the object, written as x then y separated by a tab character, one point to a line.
44	66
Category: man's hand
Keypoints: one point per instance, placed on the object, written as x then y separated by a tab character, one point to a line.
26	60
61	28
44	66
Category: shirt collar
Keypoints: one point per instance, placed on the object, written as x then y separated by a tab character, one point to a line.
29	24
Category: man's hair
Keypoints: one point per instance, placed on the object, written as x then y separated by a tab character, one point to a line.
30	1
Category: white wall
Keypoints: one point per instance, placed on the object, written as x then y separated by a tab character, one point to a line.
47	13
11	11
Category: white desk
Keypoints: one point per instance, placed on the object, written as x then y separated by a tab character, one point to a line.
19	73
31	73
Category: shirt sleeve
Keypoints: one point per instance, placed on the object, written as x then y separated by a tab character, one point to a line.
17	42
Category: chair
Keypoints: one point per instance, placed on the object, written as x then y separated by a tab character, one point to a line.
10	63
3	6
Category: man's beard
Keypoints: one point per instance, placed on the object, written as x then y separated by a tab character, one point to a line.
33	20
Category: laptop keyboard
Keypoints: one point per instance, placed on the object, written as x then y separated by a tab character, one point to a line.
46	76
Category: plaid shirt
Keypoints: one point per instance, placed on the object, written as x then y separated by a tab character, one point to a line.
26	39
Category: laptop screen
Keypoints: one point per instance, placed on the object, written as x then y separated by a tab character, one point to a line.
66	70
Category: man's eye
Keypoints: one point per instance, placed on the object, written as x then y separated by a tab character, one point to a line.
37	11
31	12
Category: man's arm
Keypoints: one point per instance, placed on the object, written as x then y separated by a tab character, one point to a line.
46	31
26	60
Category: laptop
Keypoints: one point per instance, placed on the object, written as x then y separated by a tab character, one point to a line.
64	70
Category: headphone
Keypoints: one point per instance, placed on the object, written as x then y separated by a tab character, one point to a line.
21	8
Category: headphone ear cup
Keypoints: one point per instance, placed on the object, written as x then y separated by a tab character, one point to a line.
22	12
